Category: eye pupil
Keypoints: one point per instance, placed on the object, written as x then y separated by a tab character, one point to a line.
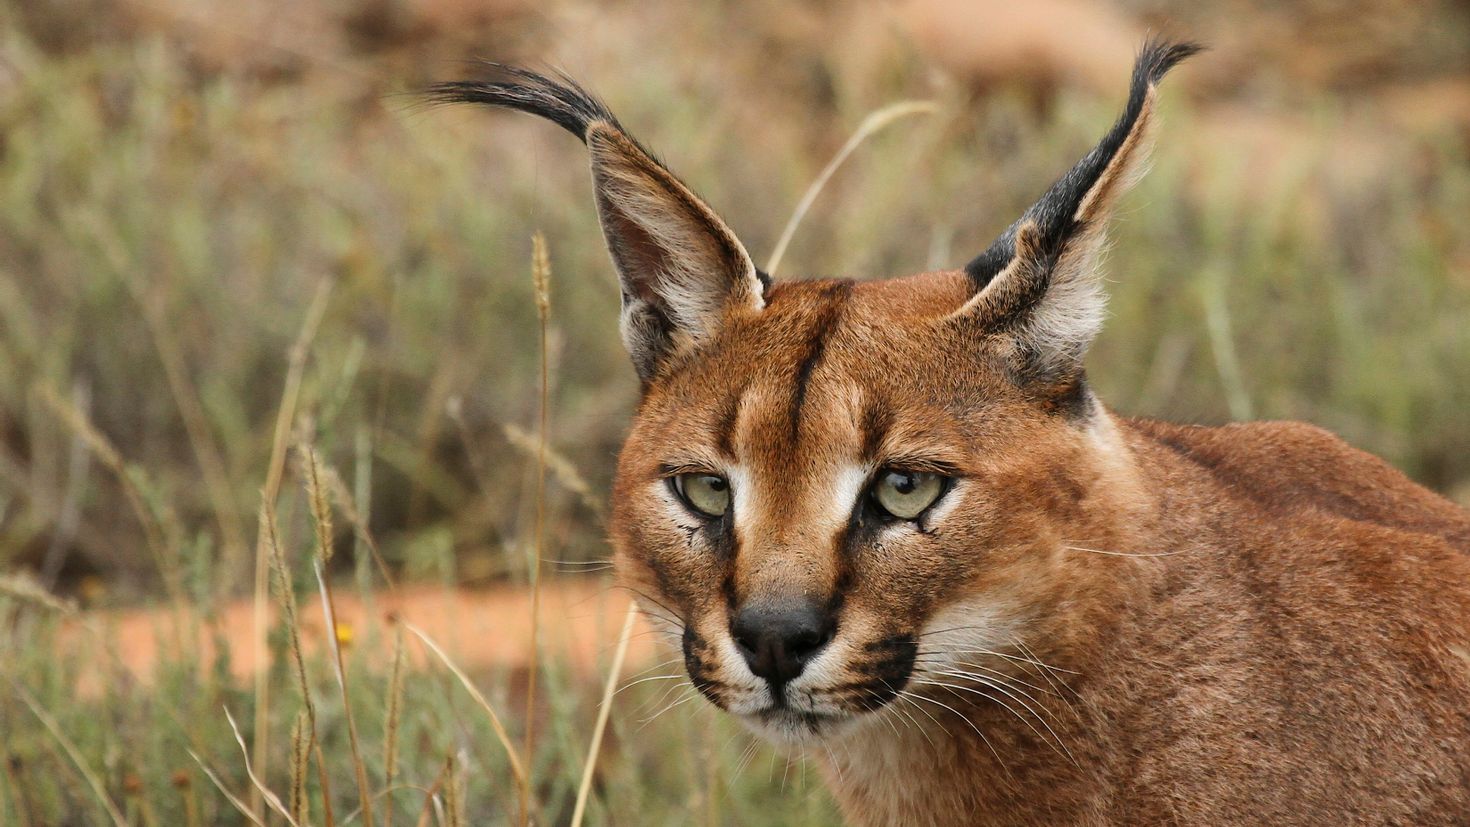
904	483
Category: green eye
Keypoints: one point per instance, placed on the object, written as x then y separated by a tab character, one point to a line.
707	494
906	494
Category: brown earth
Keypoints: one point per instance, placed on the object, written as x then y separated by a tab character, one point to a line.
481	629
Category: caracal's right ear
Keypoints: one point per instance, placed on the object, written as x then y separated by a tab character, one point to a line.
682	270
1038	290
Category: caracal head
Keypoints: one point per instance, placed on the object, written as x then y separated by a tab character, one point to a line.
833	493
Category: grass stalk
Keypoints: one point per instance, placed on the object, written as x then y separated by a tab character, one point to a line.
321	513
275	471
517	767
541	285
453	795
244	809
301	741
269	797
72	753
287	598
873	123
390	725
347	503
277	559
427	809
585	787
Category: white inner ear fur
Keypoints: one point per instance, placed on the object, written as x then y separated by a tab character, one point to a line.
1069	317
691	278
1066	320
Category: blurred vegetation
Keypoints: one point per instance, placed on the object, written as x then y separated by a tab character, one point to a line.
178	183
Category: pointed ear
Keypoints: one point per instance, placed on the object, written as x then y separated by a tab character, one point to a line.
1037	286
681	268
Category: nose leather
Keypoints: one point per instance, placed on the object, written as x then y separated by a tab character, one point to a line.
779	638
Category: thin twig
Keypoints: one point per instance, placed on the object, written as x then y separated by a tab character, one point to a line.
602	714
269	797
245	809
874	122
541	283
71	752
275	470
517	768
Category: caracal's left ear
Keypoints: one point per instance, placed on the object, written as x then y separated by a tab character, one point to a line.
1037	290
681	268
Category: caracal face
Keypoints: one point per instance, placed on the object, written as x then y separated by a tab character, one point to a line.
813	412
837	495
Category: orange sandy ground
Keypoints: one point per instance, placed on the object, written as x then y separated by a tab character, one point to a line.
479	629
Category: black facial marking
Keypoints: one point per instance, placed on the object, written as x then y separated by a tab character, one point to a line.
877	419
882	675
694	648
728	419
836	294
1071	399
727	589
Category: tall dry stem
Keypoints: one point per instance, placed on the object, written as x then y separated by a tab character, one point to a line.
427	809
453	794
321	513
517	767
301	741
74	754
873	123
286	597
272	552
541	284
243	808
275	471
390	725
608	689
257	784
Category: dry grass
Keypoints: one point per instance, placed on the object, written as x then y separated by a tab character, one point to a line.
254	251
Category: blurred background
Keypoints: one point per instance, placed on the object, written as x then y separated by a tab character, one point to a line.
228	227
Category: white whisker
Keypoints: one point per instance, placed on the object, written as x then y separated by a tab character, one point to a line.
918	697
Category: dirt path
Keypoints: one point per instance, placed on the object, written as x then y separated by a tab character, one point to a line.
479	628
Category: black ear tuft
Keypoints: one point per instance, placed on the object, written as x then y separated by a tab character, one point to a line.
680	267
558	99
1056	213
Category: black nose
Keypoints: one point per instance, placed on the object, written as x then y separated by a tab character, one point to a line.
779	638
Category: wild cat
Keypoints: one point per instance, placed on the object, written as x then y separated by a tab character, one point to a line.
889	523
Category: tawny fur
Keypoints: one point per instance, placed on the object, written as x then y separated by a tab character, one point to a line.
1291	643
1101	621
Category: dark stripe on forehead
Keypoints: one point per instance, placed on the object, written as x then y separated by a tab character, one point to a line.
728	420
877	419
834	298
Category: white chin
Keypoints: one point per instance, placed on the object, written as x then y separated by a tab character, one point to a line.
789	727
